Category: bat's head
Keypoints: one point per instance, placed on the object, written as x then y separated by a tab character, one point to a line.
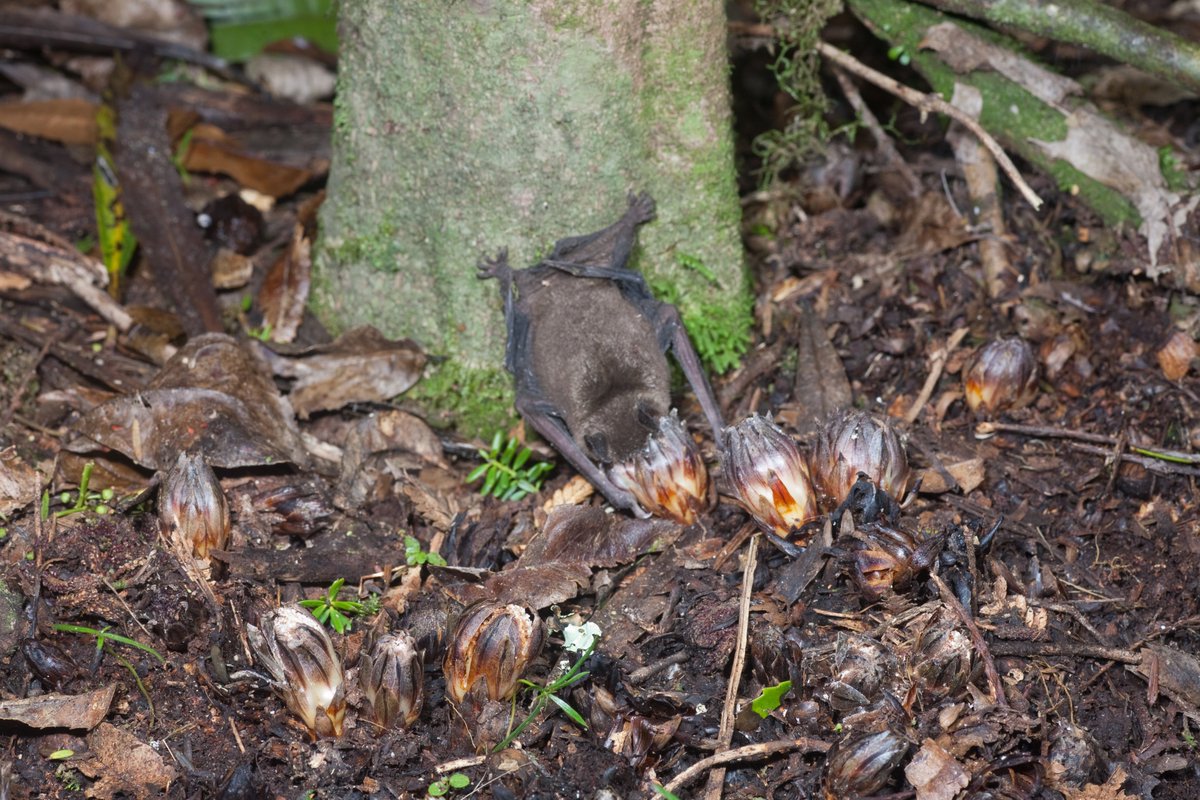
616	429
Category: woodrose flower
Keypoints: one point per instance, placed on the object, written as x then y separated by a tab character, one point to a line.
305	669
767	475
667	476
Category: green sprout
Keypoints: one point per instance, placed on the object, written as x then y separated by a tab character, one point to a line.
770	698
549	694
415	556
504	473
83	499
335	613
453	782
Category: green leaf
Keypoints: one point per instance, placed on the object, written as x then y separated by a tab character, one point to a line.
436	560
769	699
527	487
458	780
490	483
570	712
477	473
61	755
662	792
522	457
438	789
496	442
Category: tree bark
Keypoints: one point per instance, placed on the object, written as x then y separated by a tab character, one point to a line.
465	127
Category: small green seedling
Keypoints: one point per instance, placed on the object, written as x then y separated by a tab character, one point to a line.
770	698
662	791
454	782
335	613
549	694
415	556
504	473
103	637
82	500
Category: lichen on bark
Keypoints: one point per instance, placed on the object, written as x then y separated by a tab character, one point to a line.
462	128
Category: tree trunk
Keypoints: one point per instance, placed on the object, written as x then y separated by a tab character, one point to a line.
464	127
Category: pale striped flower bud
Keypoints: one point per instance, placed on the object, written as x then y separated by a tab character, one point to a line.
305	669
767	475
667	476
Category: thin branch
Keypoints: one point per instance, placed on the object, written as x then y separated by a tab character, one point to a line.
716	780
932	103
882	141
981	646
937	364
748	753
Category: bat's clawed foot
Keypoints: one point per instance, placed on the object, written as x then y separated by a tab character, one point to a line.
494	267
642	206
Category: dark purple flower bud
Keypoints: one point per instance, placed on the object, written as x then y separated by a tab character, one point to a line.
493	644
393	679
854	442
192	508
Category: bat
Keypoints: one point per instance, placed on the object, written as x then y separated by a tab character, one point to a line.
587	346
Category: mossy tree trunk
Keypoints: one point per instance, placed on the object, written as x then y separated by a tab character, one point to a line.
464	127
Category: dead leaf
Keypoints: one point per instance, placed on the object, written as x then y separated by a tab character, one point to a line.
361	366
968	474
19	482
935	774
821	386
1109	790
285	289
291	77
380	449
212	151
1176	356
214	396
70	120
123	764
74	712
571	493
169	240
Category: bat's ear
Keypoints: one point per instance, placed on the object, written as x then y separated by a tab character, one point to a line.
598	444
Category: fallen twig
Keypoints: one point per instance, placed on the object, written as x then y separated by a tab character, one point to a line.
747	753
716	780
937	364
932	103
986	429
981	646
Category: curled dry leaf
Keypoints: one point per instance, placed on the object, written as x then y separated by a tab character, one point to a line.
360	366
1176	356
213	396
19	482
935	774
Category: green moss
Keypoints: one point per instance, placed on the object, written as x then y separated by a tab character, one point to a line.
476	402
1009	111
377	248
721	332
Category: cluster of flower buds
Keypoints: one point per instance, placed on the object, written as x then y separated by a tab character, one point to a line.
768	475
305	669
667	477
856	442
392	680
1001	377
494	645
861	767
192	508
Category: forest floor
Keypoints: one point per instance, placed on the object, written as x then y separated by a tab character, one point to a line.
1047	647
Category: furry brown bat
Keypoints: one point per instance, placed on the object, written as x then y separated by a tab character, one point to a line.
587	345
